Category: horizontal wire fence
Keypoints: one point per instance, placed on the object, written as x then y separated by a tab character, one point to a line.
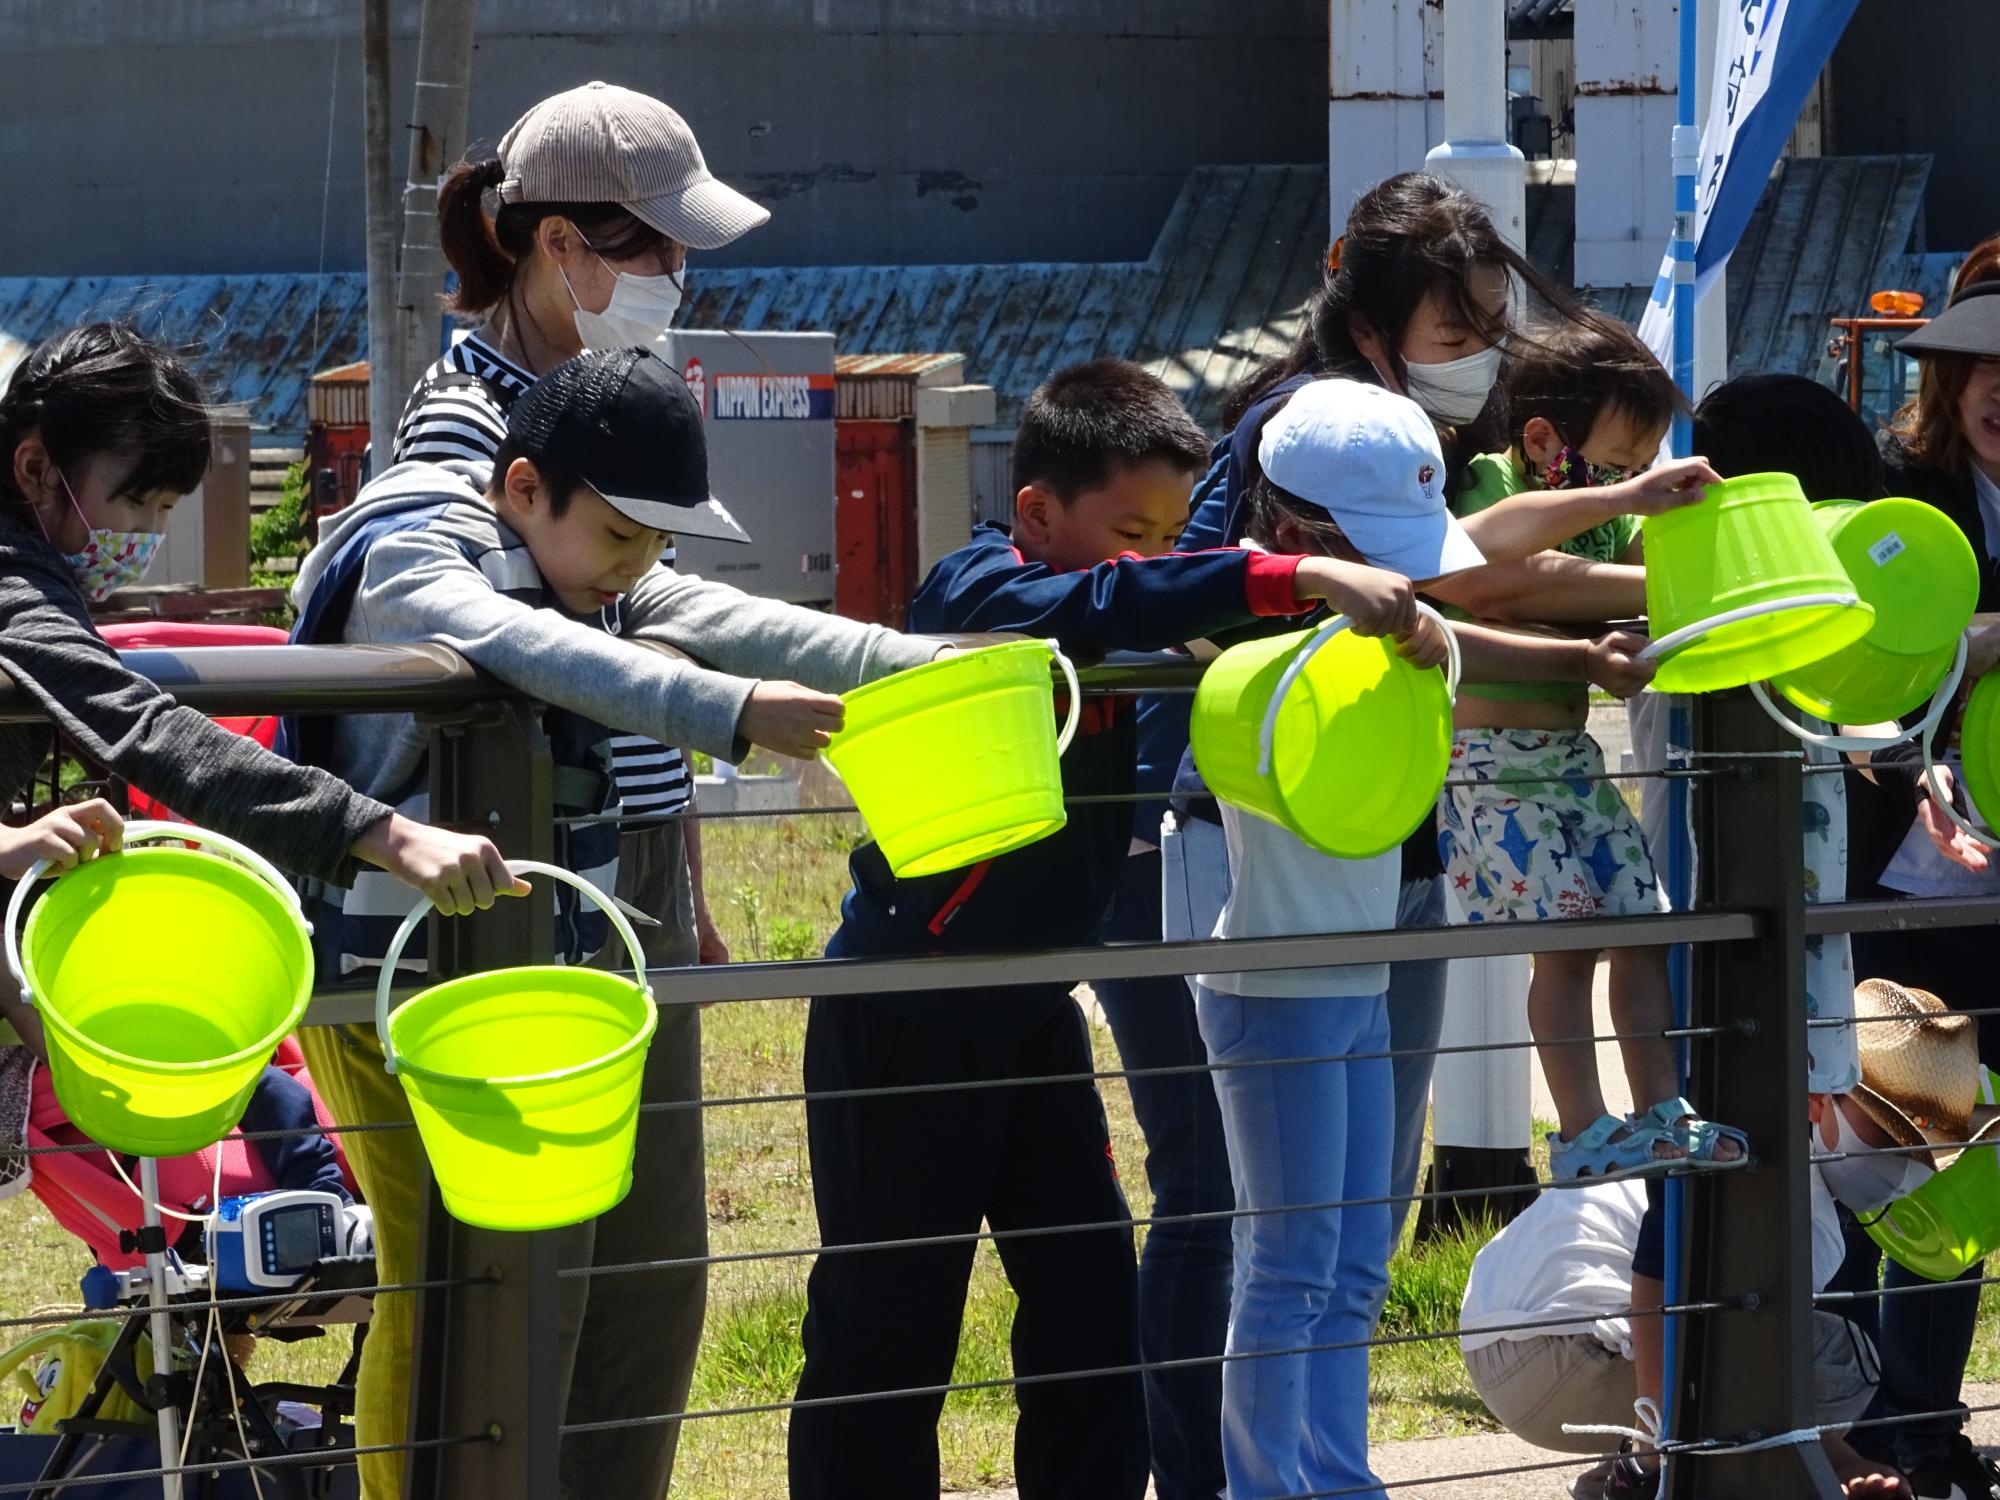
481	761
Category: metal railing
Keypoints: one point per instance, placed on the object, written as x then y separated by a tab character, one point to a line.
486	1418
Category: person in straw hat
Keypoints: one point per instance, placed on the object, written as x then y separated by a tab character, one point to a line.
1583	1252
1922	1086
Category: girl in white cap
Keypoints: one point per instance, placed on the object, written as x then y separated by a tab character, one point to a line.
598	196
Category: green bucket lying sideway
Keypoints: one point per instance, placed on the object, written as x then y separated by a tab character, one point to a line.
1912	564
165	977
524	1082
1742	586
1328	734
958	760
1979	750
1952	1222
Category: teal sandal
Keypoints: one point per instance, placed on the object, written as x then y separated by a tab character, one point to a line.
1698	1137
1595	1154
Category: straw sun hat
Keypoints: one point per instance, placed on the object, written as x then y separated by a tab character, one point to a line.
1920	1070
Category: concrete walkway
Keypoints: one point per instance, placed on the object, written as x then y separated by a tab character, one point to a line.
1401	1463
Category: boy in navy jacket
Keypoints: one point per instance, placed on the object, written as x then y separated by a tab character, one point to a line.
1104	463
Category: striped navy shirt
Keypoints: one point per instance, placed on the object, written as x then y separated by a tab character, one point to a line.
459	411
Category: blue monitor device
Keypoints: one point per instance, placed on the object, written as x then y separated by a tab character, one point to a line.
266	1242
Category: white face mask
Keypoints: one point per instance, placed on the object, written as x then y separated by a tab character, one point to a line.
1873	1180
1454	390
641	309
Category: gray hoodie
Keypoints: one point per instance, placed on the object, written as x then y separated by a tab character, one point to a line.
424	585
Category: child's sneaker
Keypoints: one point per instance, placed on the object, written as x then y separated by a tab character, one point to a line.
1626	1477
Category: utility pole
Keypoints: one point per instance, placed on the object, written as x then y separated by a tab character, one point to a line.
437	139
387	386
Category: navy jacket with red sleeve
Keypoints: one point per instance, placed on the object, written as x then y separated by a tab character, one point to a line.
1056	892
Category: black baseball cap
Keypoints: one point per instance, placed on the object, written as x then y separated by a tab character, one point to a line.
625	421
1970	324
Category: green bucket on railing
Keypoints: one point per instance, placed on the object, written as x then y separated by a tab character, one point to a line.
524	1082
1914	567
1326	733
958	760
1952	1222
165	978
1742	586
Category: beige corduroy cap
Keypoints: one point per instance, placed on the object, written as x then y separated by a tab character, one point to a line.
606	144
1919	1070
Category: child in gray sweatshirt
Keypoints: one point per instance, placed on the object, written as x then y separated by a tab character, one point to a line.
543	569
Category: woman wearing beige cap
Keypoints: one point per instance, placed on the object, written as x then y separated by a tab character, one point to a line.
599	195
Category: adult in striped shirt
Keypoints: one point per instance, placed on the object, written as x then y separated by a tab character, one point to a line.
598	195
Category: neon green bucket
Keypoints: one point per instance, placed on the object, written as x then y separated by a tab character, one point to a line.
165	977
1912	564
1328	734
1952	1222
524	1082
1979	747
1743	585
958	760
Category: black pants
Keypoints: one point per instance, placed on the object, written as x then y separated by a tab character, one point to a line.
915	1165
1924	1338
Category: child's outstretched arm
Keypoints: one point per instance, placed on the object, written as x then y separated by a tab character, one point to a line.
297	816
1550	586
1536	520
1611	662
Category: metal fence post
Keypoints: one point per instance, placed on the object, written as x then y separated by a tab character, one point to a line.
1747	1373
485	1356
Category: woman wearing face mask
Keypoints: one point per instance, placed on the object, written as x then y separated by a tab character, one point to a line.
101	433
600	194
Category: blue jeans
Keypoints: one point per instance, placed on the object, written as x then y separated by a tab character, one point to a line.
1302	1134
1196	875
1184	1268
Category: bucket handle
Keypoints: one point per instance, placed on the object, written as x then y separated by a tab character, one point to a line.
1674	640
1940	700
1267	735
1068	731
1984	837
140	831
517	867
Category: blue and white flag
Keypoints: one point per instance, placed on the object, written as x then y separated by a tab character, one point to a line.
1768	54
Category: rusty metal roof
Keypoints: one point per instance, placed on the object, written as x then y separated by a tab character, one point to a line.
892	366
1224	287
256	339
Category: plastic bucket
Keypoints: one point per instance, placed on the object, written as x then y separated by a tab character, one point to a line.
957	761
165	978
1912	564
1952	1222
1326	733
524	1082
1743	585
1979	755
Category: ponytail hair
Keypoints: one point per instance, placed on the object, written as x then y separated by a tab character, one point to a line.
489	253
465	234
106	388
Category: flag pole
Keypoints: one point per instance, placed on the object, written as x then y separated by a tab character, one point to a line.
1680	726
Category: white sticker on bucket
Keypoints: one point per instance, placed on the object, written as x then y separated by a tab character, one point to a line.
1889	547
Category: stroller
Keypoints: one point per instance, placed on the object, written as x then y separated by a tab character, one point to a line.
98	1403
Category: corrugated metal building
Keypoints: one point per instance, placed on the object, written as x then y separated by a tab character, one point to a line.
1223	288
